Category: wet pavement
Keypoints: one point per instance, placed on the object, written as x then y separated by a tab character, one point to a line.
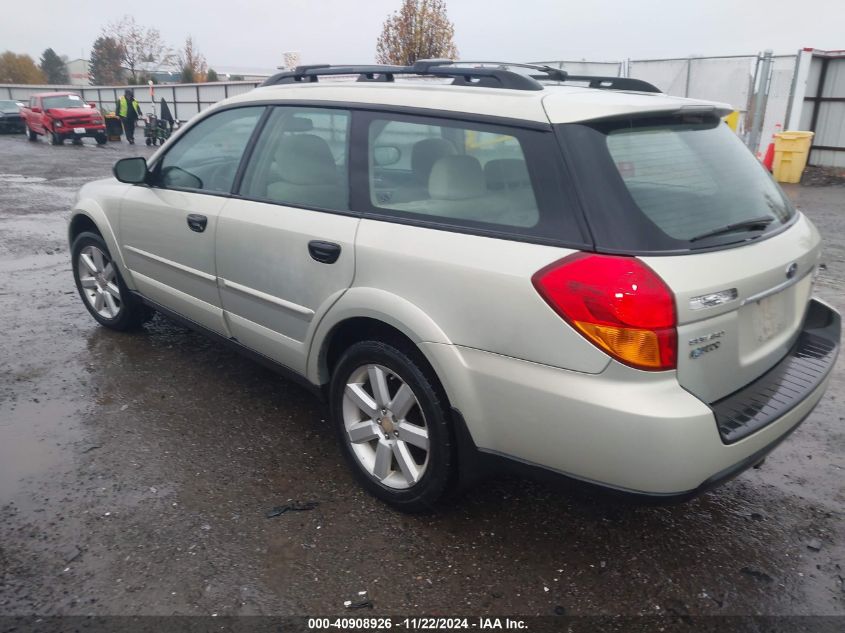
136	472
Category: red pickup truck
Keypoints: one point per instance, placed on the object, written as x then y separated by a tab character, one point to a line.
60	115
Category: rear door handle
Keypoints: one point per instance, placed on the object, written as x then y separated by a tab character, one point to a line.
324	252
197	222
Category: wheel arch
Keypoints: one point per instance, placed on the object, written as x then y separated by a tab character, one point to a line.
367	313
89	216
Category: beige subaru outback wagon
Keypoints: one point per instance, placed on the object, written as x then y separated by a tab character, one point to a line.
481	265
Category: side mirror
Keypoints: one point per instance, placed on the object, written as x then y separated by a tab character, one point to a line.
36	109
131	170
385	155
92	104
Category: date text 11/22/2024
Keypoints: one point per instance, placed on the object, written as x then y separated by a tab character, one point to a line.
421	624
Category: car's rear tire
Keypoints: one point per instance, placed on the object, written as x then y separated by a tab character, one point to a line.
32	136
392	422
101	287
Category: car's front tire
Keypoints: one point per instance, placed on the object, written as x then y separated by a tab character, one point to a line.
101	287
393	424
101	139
32	136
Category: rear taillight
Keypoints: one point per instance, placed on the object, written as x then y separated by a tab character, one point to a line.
618	303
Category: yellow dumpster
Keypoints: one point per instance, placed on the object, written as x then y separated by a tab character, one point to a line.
791	152
732	120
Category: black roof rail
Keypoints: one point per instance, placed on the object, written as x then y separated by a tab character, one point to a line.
608	83
487	77
549	72
463	73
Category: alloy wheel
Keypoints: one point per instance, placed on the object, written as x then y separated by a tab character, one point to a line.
98	279
385	426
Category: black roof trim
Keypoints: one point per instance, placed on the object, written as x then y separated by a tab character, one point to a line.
484	74
610	83
487	77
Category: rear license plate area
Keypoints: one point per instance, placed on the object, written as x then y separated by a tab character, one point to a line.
769	316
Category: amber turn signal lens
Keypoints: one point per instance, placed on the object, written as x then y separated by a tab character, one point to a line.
639	348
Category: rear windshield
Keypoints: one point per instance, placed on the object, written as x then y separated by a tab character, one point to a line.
672	184
63	101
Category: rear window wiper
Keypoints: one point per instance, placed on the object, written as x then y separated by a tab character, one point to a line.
746	225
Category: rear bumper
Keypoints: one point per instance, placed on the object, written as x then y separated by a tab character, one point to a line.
788	383
635	433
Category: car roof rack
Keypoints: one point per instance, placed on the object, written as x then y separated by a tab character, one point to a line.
609	83
485	77
550	73
482	74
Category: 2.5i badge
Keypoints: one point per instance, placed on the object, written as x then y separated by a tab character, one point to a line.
710	342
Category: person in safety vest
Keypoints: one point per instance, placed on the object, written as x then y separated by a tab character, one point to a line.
129	112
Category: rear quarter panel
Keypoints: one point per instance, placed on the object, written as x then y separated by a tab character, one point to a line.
476	290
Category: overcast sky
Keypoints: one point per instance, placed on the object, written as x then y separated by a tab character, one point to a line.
254	33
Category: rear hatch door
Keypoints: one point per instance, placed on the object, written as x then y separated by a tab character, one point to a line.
739	310
684	194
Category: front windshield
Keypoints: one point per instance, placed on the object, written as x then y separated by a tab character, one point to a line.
63	101
8	106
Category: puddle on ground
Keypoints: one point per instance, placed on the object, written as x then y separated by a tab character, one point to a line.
20	179
34	439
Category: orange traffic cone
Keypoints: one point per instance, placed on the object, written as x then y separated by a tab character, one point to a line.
769	158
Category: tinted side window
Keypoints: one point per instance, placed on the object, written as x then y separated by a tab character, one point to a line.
301	159
452	172
208	155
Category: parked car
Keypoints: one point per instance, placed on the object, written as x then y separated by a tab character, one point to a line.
575	275
10	116
62	115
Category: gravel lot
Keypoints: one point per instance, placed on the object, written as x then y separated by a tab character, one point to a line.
136	472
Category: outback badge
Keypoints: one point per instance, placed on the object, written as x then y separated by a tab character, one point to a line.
712	343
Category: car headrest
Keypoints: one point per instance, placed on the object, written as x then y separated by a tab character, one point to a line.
306	159
506	173
456	178
298	124
425	153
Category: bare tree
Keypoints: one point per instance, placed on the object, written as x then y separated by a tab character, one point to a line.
140	46
192	63
420	29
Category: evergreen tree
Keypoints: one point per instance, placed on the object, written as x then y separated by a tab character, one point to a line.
105	62
53	67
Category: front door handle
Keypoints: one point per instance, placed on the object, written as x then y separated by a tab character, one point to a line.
197	222
324	252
